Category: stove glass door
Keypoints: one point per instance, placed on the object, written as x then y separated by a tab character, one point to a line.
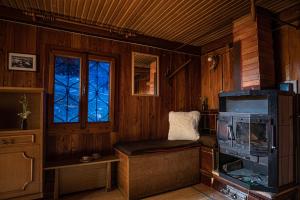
225	130
242	128
259	140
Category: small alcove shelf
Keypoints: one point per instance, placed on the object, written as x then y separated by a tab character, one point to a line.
21	151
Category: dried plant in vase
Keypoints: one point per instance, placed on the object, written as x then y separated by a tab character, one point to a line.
25	112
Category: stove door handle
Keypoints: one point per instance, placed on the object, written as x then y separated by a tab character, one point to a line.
230	135
273	146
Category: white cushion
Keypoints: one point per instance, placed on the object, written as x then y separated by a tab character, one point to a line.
184	125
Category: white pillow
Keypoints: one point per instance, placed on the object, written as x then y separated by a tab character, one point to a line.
184	125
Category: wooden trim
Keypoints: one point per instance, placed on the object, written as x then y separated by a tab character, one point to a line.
84	92
54	53
253	10
132	74
21	89
56	184
108	176
112	86
26	157
172	74
76	163
33	196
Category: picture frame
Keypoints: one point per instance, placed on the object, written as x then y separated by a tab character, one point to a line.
21	62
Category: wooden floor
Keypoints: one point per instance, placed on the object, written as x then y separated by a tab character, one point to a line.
196	192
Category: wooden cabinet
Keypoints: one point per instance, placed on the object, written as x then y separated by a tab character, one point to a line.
206	164
21	150
207	127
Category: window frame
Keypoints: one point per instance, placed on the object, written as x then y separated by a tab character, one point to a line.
112	91
83	96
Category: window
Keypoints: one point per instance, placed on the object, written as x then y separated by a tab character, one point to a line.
80	86
98	91
66	89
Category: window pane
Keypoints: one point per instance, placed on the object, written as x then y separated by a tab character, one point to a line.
66	89
98	91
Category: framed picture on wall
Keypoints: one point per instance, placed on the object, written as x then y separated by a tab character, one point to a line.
23	62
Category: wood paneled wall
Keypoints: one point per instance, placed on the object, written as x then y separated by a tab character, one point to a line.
246	58
257	61
138	118
213	81
287	54
245	31
287	46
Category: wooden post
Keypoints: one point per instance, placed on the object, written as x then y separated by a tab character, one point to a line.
253	11
108	177
56	184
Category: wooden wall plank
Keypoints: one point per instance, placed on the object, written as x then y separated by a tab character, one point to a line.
287	53
245	32
213	81
257	60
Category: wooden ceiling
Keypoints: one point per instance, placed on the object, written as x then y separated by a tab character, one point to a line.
194	22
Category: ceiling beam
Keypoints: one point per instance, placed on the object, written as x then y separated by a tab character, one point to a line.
252	9
48	21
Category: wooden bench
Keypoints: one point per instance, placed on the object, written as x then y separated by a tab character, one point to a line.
152	167
71	163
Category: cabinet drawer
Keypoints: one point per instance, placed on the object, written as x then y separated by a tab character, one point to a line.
19	139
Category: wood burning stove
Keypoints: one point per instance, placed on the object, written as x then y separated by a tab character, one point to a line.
244	134
255	137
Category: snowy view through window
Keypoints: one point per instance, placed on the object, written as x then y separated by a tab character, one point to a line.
98	91
67	90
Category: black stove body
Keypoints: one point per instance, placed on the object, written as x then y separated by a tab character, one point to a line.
256	139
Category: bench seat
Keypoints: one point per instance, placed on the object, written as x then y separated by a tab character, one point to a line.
152	146
151	167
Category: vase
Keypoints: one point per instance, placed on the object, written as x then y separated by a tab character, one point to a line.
24	124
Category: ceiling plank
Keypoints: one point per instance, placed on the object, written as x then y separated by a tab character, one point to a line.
128	12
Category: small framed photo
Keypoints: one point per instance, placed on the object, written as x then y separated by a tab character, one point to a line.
23	62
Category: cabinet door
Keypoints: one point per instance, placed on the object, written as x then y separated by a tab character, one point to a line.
19	171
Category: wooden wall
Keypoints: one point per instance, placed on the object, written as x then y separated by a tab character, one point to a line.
287	54
245	31
138	118
287	46
246	58
214	81
257	61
